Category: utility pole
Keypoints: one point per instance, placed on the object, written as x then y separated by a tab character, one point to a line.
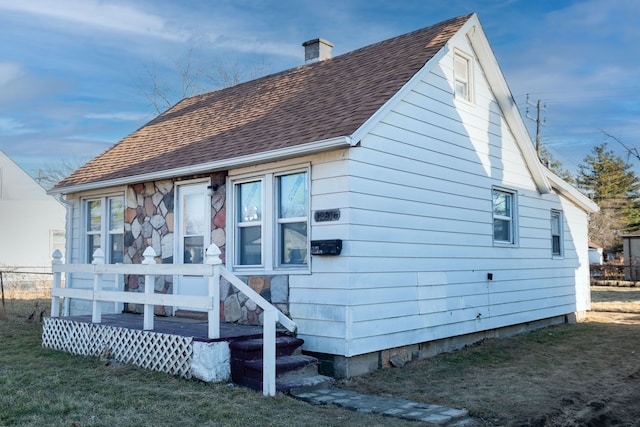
538	119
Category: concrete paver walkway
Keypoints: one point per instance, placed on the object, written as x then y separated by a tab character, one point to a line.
389	406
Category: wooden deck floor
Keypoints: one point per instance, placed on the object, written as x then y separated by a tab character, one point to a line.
196	328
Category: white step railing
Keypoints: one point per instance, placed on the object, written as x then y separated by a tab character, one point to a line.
212	269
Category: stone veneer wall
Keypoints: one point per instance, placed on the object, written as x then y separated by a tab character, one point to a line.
237	307
149	221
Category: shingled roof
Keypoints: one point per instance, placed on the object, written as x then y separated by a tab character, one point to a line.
313	102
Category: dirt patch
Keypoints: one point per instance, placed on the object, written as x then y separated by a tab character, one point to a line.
585	374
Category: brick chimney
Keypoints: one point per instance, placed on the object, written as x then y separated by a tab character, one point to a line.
317	50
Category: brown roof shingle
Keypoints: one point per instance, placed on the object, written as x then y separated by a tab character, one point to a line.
309	103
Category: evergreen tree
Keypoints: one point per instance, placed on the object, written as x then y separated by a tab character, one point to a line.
610	183
554	165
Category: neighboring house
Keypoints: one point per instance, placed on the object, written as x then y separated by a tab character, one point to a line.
596	255
32	223
385	199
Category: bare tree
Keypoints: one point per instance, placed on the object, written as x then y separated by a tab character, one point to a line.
51	174
194	78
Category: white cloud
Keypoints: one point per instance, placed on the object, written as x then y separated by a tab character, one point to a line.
8	73
120	116
100	15
9	126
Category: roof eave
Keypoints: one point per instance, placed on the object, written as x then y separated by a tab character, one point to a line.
571	193
234	162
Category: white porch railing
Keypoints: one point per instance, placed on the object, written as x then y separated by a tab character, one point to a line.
212	269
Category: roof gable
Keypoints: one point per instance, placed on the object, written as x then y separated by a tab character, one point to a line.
16	184
315	102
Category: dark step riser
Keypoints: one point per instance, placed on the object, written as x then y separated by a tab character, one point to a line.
252	349
253	369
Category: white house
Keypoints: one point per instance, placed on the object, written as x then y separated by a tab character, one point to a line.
388	200
32	223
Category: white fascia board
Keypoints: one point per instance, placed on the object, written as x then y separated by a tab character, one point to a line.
484	53
571	193
368	125
267	156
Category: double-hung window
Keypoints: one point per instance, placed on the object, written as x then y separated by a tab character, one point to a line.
461	76
104	225
556	233
249	223
271	221
504	226
292	219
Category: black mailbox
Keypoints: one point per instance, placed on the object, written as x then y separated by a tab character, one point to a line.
326	247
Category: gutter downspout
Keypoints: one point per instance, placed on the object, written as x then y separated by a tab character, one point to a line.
68	237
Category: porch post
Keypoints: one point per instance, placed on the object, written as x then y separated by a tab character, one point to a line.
98	258
213	258
55	300
269	352
149	287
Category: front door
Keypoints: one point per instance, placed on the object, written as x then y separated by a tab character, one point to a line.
193	233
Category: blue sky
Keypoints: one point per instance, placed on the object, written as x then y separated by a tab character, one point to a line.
73	73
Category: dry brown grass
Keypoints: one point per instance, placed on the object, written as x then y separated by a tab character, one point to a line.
570	375
615	299
583	374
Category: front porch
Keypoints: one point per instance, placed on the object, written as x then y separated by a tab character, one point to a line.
176	345
180	346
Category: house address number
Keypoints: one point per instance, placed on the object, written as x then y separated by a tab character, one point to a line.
327	215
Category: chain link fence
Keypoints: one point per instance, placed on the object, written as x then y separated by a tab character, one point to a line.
627	274
25	283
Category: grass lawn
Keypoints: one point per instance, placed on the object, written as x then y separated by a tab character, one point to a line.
570	375
41	387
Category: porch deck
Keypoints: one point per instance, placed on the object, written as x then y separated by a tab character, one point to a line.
182	326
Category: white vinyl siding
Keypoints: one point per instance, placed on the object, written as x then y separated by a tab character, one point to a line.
419	230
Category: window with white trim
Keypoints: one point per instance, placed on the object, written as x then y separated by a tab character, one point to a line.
504	220
462	76
271	221
292	219
104	225
249	223
556	233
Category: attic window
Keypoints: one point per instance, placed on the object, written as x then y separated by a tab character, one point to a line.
461	75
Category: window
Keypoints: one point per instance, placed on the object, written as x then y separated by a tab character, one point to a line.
292	219
249	223
461	73
503	217
105	228
57	241
556	233
271	221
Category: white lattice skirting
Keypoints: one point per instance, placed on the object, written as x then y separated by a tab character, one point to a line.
149	350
